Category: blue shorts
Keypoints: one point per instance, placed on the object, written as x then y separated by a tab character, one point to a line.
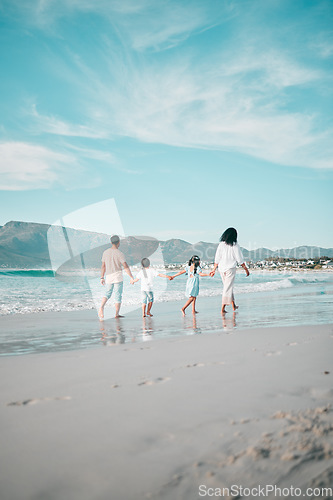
118	291
147	297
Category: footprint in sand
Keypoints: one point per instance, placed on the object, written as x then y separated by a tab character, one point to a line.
273	353
199	365
34	401
157	380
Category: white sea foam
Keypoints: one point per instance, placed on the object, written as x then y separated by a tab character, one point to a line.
23	294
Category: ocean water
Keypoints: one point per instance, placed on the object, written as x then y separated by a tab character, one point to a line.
266	298
33	291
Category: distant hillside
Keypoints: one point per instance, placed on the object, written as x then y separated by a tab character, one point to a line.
25	245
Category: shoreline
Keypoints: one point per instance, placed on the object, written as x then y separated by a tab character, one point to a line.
157	420
29	333
170	267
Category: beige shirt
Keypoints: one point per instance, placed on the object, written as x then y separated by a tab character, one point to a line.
114	260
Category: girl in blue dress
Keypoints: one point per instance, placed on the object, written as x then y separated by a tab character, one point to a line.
193	271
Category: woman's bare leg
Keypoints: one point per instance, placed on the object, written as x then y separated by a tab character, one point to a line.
193	306
234	307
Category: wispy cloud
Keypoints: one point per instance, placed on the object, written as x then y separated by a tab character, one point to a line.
29	166
146	24
57	126
26	166
235	105
239	96
105	157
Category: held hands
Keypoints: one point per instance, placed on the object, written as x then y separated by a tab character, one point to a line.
212	274
102	281
132	281
170	278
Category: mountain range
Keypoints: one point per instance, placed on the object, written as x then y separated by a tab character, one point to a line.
31	245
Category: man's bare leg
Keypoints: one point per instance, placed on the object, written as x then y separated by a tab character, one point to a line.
186	305
193	306
150	305
143	310
101	309
117	306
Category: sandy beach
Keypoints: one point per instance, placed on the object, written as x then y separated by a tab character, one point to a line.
170	418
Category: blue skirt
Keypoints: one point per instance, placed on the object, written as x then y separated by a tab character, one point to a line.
192	287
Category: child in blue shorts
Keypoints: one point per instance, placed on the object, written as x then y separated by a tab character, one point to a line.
147	275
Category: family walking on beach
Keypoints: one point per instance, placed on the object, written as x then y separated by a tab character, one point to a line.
228	255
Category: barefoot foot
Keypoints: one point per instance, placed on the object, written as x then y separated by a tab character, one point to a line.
183	311
101	314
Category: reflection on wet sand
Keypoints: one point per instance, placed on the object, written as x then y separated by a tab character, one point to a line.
117	332
229	322
190	324
147	328
112	335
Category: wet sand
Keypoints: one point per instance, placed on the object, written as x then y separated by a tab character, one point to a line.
162	419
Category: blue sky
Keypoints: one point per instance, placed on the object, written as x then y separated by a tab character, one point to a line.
193	115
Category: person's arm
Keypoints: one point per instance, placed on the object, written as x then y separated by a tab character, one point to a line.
134	281
164	276
178	274
213	271
245	269
128	271
216	261
204	274
240	258
103	268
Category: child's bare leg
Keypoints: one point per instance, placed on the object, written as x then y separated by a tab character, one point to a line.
101	309
193	306
186	305
143	310
150	305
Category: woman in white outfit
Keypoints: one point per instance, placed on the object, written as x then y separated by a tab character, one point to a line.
228	255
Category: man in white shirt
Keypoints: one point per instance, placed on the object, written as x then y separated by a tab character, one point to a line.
113	262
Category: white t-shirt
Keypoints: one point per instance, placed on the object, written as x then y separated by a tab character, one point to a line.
147	276
114	260
228	256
